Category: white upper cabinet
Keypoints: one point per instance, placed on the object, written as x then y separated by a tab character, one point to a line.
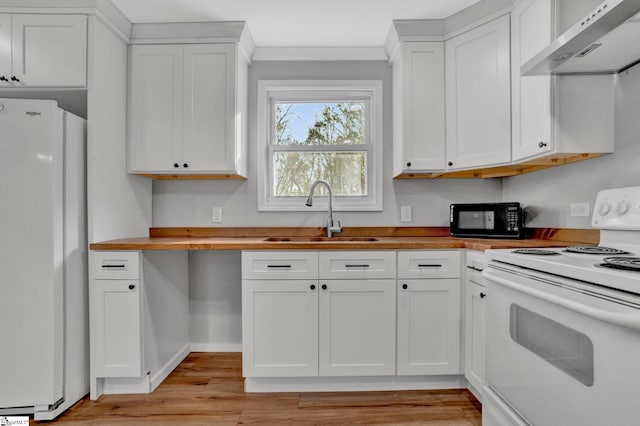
478	105
155	108
418	107
43	50
209	131
554	116
5	49
185	115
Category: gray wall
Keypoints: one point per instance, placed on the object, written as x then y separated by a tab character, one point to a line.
188	203
215	276
215	322
549	193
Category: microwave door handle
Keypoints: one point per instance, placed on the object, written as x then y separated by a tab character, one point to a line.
623	320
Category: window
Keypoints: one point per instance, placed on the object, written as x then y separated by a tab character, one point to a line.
310	130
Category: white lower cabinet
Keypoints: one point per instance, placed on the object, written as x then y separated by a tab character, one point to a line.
138	319
357	327
279	328
475	306
117	328
298	322
428	312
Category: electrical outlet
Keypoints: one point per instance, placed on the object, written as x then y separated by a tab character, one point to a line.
580	210
216	214
405	214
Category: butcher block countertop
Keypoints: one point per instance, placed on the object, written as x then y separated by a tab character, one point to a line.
352	238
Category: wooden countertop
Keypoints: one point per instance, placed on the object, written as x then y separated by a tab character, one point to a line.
364	238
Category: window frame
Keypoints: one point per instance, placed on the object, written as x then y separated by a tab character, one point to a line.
272	91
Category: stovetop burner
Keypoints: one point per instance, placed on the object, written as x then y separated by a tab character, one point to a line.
595	250
621	262
536	252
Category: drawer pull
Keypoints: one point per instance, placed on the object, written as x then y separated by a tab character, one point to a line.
114	266
279	266
429	265
364	265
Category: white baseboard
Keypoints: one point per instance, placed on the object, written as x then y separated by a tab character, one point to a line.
346	384
476	392
116	385
148	382
162	374
216	347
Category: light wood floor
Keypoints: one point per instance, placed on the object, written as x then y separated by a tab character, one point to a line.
207	389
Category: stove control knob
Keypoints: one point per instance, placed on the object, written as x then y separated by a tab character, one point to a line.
622	207
604	208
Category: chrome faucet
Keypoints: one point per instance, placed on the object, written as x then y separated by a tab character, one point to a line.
332	227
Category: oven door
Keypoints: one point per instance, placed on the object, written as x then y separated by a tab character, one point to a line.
560	354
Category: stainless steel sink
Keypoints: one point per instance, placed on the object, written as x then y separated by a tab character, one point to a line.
318	239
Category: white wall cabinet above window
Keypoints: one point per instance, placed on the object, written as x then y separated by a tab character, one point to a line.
478	97
563	118
187	110
43	50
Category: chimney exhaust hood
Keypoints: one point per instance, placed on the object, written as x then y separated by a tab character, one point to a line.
606	41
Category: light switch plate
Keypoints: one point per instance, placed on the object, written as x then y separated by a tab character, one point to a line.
405	214
216	214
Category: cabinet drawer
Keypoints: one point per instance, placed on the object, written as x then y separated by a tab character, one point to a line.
278	265
115	265
476	260
357	264
428	264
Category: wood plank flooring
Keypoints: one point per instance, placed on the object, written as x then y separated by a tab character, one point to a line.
207	389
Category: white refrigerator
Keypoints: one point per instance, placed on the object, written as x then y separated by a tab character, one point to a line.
44	341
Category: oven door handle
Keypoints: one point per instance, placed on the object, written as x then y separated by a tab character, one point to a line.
623	320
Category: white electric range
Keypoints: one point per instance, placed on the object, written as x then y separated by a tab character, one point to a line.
563	326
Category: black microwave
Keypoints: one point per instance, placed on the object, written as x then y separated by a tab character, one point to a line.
487	220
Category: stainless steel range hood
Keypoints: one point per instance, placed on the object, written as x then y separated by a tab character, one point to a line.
605	41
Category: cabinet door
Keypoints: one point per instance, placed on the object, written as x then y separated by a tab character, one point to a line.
116	334
531	31
429	326
478	96
50	50
155	109
474	362
357	327
209	108
419	111
5	49
279	328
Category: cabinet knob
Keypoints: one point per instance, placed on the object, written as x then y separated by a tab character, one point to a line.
324	286
408	163
450	163
14	78
185	165
404	286
483	295
3	78
176	165
312	287
132	286
542	144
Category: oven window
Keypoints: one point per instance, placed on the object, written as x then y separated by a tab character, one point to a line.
476	220
565	348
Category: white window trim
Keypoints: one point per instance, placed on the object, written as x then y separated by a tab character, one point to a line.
269	90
